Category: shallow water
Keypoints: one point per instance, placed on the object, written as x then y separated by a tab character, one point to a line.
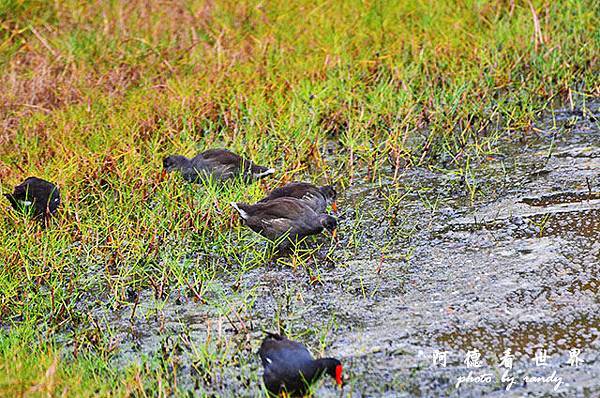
517	271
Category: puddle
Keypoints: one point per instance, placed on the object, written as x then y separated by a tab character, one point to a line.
526	338
584	223
562	197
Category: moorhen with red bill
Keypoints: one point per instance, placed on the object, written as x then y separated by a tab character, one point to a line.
35	196
275	218
290	368
318	198
220	164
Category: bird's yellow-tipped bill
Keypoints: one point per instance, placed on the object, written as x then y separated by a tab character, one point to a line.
334	206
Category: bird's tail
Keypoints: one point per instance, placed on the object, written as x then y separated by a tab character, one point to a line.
261	174
242	212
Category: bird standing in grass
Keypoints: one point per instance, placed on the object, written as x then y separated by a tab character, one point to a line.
280	216
318	198
35	196
290	369
220	164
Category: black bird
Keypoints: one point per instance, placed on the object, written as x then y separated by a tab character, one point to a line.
289	367
279	216
35	196
221	164
318	198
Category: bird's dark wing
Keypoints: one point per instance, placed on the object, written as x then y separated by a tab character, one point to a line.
292	215
198	159
223	163
222	156
309	193
285	207
282	350
197	169
293	190
274	218
33	186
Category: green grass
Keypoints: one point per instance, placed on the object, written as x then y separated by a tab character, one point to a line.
95	94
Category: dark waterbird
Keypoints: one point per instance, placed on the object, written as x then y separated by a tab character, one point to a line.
279	216
35	196
289	367
318	198
220	164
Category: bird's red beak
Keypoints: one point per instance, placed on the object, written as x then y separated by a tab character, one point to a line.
334	206
338	375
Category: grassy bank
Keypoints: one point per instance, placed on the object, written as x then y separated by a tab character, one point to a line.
95	94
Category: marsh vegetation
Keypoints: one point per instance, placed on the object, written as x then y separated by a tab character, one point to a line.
427	117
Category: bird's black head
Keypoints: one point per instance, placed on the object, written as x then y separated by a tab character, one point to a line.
174	162
333	368
328	222
329	193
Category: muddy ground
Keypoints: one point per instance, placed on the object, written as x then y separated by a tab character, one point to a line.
420	269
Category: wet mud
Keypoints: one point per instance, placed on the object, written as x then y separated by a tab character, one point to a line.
419	270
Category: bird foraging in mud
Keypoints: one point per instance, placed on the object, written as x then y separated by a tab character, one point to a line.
318	198
275	218
290	369
36	197
220	164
